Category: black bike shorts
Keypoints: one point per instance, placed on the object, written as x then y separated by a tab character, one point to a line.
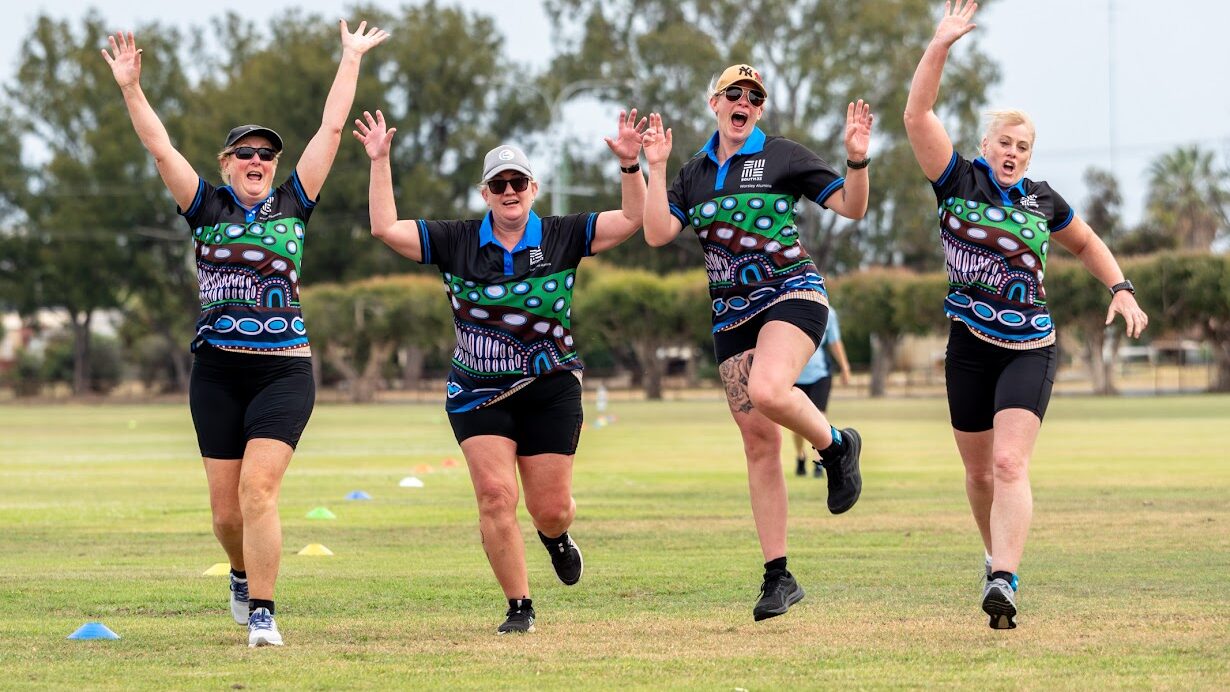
983	379
543	417
809	315
818	391
236	397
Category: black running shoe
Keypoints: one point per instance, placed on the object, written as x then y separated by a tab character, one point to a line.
845	480
565	557
777	594
520	619
800	466
999	602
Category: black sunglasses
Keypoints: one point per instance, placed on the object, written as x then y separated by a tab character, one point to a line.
498	185
754	97
245	153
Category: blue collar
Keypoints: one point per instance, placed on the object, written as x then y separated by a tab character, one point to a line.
1003	192
249	214
753	145
531	238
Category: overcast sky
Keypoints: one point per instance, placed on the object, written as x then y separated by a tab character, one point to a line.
1159	83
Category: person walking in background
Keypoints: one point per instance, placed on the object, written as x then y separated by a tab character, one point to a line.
996	227
816	381
251	390
770	306
514	389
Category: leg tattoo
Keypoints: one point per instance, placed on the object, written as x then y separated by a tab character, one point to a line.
735	371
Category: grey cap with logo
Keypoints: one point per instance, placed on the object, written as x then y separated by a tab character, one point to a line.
505	157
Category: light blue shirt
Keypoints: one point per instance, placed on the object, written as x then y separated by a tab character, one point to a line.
817	367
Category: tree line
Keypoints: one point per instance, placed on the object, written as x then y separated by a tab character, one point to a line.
88	225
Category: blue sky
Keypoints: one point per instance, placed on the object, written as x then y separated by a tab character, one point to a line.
1159	83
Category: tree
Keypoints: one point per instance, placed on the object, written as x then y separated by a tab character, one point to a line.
671	49
1188	197
1192	291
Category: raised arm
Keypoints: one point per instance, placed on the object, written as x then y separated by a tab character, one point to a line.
177	174
318	156
402	236
1079	239
661	226
614	227
931	144
838	349
851	200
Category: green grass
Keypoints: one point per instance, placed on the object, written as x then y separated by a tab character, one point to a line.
104	516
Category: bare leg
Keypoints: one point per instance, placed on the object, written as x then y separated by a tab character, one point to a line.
975	449
493	472
782	350
1016	431
762	442
260	482
223	478
547	479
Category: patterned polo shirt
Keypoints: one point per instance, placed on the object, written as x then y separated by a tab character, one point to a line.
512	309
248	264
743	213
996	241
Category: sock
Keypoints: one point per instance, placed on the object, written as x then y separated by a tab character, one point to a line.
833	450
1006	576
239	574
259	603
551	542
521	603
778	565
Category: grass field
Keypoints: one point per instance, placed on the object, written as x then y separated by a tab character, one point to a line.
104	516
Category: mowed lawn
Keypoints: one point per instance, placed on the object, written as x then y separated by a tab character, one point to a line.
104	516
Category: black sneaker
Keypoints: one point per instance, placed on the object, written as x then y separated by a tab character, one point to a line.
818	471
777	594
845	480
800	468
520	619
565	557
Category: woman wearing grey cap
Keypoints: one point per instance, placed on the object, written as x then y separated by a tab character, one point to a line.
514	390
251	391
770	307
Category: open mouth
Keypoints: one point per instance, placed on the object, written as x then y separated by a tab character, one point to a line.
738	119
1009	167
255	176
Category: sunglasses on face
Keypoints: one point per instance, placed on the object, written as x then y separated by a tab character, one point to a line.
498	185
246	153
754	97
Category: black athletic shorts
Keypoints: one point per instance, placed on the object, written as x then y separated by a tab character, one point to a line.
236	397
983	379
818	391
809	315
543	417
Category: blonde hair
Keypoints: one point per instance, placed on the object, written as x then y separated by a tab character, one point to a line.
1008	117
226	179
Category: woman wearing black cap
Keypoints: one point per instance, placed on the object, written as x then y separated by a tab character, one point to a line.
769	302
251	391
514	389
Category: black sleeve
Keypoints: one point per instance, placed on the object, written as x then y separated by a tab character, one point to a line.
1061	214
204	208
677	198
811	176
441	241
294	188
949	181
572	234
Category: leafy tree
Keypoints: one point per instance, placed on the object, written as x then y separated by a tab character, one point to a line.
1192	291
1188	197
816	57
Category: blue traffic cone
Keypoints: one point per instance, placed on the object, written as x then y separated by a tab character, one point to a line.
93	630
358	495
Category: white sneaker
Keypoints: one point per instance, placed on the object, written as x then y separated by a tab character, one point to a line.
239	600
262	630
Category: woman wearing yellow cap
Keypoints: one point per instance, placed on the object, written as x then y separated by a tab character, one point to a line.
769	302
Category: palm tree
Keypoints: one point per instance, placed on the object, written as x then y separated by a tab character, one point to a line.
1188	197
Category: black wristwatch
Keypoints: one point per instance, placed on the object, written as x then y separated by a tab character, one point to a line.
634	168
855	165
1124	285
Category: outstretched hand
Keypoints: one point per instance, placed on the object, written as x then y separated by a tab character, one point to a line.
376	137
656	141
956	22
363	39
1124	303
126	61
858	130
627	143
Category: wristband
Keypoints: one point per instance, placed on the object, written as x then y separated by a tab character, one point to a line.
855	165
634	168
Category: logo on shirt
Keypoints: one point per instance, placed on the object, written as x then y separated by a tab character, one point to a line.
537	260
1029	202
753	171
267	207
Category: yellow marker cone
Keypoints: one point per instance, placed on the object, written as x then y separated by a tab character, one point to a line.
315	549
218	570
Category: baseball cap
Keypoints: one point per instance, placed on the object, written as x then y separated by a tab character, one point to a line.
242	131
739	73
505	157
